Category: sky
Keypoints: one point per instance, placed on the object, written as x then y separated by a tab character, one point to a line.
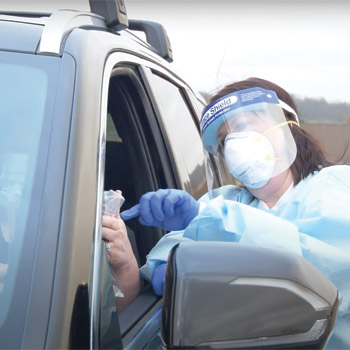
302	45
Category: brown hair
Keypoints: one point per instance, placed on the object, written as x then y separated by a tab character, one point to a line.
310	156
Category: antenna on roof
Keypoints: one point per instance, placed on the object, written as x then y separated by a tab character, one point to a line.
114	12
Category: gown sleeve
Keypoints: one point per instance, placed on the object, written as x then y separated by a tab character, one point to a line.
314	223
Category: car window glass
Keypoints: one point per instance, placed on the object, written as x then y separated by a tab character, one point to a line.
23	99
183	134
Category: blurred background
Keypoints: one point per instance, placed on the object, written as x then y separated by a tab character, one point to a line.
304	46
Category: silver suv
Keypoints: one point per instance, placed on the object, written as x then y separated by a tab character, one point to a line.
85	105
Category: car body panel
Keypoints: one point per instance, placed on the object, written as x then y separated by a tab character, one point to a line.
66	250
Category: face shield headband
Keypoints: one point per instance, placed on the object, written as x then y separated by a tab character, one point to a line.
238	102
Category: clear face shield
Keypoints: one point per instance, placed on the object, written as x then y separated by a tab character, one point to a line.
247	139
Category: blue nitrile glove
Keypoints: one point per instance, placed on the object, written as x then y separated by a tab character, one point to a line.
158	279
167	209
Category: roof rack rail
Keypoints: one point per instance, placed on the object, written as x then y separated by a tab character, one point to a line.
60	24
114	12
156	36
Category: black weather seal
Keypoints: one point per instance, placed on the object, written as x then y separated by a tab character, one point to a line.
25	14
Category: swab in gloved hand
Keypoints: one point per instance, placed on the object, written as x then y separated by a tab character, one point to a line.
112	202
169	209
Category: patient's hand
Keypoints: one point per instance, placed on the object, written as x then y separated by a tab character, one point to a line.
114	232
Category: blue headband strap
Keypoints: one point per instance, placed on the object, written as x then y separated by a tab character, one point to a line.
239	99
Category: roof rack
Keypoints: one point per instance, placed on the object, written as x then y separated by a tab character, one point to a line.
156	36
114	11
60	24
104	13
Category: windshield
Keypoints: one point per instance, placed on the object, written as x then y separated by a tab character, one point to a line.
25	85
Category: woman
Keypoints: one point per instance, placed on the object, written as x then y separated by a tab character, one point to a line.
288	195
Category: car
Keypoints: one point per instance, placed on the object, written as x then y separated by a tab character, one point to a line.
88	106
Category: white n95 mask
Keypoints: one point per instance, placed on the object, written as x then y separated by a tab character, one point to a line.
250	158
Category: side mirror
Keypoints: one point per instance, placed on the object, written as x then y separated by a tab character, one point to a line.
224	295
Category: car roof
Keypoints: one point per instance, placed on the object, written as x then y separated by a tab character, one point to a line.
44	32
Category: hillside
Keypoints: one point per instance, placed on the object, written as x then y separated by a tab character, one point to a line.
334	139
329	123
313	110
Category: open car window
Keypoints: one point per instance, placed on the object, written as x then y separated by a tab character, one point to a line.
140	157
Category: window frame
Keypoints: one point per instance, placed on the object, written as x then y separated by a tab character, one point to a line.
142	66
194	107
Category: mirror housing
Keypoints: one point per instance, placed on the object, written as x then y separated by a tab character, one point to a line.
225	295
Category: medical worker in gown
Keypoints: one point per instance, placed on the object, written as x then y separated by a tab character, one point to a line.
269	184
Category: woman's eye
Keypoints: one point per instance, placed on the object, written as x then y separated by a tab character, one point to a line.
241	126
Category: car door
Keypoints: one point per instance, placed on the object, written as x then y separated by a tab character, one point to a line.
147	109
